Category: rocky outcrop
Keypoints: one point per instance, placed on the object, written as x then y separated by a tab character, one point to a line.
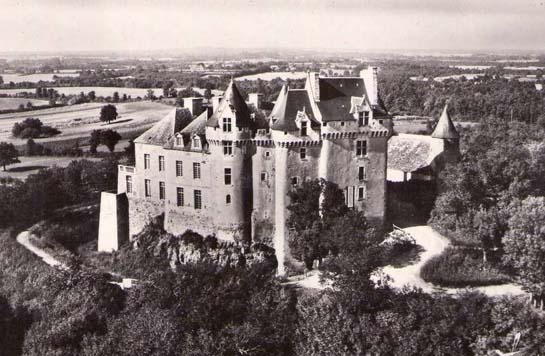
191	247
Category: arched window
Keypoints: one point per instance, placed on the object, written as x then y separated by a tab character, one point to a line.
228	199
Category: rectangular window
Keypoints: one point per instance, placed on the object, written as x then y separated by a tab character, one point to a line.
147	187
196	142
179	141
179	169
263	176
227	147
303	153
128	180
361	173
361	193
227	176
146	161
162	190
161	163
294	180
179	196
303	128
226	124
197	195
363	118
361	148
196	170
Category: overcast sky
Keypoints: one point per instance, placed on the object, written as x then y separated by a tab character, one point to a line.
66	25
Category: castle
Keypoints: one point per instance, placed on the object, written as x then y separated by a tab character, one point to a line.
227	171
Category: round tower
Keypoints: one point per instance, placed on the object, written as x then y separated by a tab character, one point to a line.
229	133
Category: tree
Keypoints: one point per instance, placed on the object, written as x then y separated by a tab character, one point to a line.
92	95
29	105
95	140
150	95
110	138
108	113
130	152
313	208
524	242
8	154
1	80
115	98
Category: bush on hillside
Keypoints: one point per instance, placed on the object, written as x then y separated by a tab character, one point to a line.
457	267
33	128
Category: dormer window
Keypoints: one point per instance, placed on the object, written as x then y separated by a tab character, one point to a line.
363	118
227	124
304	128
196	142
179	141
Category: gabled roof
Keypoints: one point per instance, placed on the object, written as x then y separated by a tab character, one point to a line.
161	132
232	100
445	127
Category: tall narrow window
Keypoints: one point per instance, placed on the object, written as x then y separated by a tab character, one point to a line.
227	176
304	128
161	163
227	148
363	118
197	197
128	180
196	170
196	142
147	187
179	196
361	173
162	190
146	161
179	141
361	148
179	169
227	124
361	193
303	153
228	199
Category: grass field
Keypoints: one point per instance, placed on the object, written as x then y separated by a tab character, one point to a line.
13	103
30	165
35	78
99	91
77	121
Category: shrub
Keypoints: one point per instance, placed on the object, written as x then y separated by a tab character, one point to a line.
33	128
458	267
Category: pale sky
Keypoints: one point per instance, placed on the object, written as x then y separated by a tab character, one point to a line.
69	25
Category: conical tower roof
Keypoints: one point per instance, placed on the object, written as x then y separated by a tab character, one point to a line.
232	100
445	127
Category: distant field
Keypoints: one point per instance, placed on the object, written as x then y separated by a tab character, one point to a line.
274	75
99	91
77	121
35	78
13	103
30	165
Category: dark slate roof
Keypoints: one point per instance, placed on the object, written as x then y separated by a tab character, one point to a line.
232	100
332	88
289	102
445	127
161	132
197	126
407	153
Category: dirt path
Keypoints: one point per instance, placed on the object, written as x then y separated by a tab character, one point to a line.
24	239
434	244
